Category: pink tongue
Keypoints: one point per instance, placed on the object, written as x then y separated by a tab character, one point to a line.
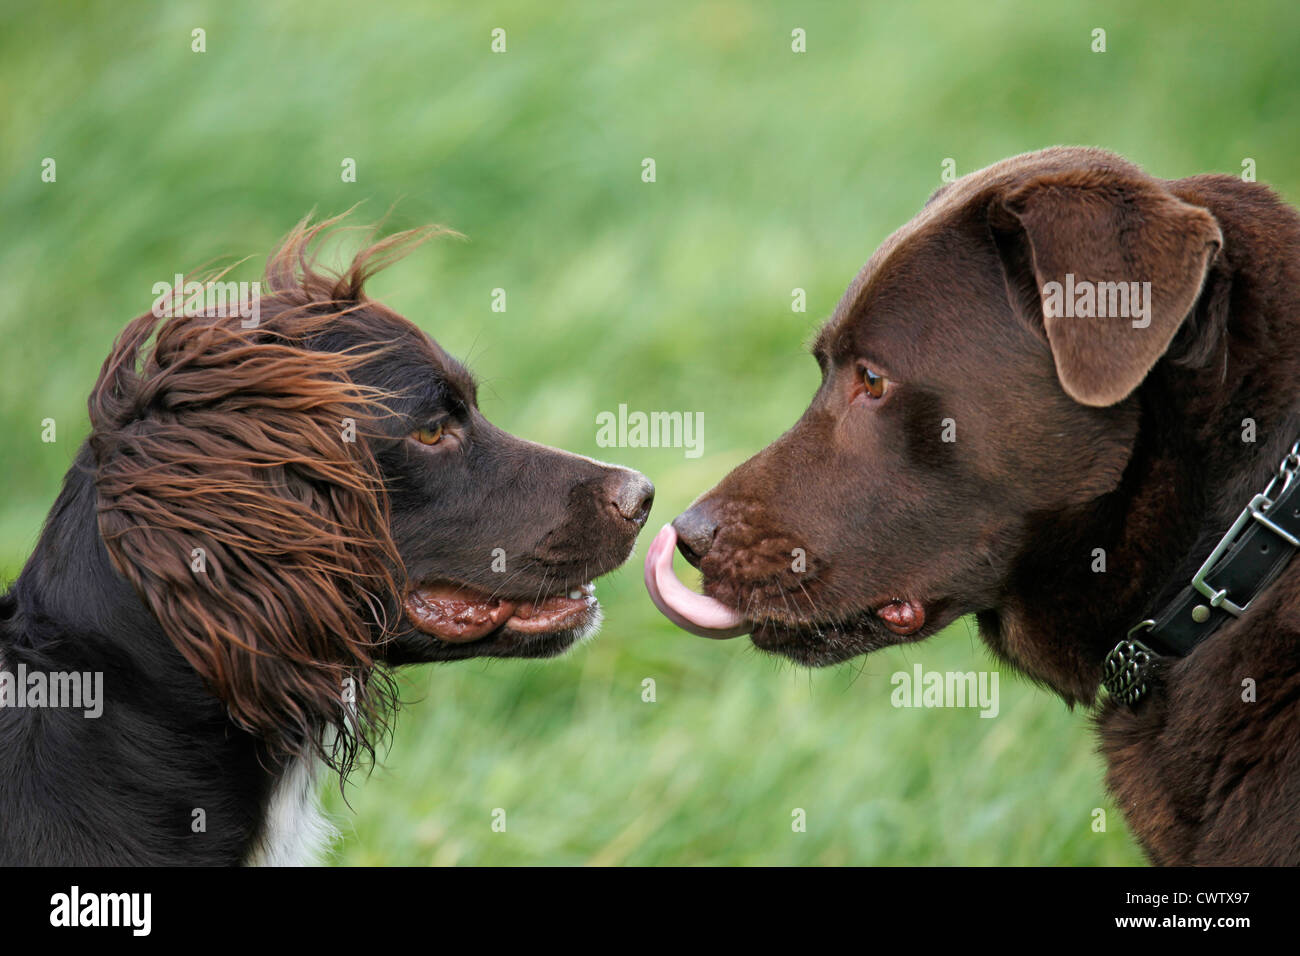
692	612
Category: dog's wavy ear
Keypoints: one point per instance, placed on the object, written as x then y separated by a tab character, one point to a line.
240	496
253	530
1107	264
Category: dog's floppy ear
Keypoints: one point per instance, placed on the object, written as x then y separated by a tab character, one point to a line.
251	529
1076	246
240	496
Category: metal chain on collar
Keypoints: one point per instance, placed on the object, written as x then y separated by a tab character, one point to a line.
1127	668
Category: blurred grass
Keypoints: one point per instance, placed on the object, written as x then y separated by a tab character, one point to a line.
775	171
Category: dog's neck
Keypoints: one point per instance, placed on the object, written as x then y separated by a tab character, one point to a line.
69	581
1195	465
162	765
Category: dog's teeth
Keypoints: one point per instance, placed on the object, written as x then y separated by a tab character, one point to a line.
575	594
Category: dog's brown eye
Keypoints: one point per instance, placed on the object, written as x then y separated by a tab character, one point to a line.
873	382
428	436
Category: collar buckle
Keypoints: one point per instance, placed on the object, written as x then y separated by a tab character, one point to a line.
1257	510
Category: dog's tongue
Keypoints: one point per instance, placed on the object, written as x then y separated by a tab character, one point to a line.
693	612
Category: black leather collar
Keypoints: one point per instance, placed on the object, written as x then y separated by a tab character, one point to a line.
1260	543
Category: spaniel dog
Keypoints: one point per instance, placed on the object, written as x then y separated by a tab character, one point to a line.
272	511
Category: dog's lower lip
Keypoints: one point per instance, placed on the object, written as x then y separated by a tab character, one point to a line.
902	615
553	614
460	615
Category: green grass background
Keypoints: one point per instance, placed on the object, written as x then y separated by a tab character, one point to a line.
775	170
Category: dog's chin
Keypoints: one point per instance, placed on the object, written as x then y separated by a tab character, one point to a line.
814	643
823	645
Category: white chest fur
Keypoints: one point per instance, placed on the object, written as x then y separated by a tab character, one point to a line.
295	832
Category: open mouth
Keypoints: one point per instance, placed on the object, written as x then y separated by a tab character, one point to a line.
458	614
709	617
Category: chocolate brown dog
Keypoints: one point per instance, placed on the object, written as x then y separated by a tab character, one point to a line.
1056	397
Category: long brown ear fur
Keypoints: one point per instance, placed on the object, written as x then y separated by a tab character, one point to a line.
230	499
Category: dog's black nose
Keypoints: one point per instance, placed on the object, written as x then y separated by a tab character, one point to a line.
633	497
696	528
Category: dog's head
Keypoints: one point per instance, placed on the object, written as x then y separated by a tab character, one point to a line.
962	399
305	495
